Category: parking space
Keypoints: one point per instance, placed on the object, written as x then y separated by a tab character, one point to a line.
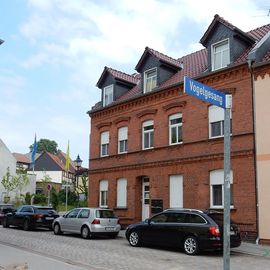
103	253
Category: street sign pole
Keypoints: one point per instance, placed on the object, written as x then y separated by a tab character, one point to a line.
227	183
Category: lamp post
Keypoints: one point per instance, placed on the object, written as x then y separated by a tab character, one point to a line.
78	164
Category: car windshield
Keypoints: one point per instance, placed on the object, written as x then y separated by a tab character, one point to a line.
44	210
105	214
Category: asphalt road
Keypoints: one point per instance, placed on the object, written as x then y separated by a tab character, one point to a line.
107	254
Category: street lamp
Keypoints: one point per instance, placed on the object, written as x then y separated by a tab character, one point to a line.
1	41
78	162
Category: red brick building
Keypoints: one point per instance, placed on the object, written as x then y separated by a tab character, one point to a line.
153	147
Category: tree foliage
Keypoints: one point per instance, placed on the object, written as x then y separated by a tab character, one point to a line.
45	145
83	186
8	182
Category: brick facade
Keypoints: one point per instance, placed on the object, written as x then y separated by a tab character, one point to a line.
193	159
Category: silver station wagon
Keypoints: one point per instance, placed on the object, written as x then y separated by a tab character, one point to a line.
89	222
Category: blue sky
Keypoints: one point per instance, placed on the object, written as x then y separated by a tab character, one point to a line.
55	51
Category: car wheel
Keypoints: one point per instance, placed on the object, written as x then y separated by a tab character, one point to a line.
26	225
5	223
57	229
85	232
134	239
191	245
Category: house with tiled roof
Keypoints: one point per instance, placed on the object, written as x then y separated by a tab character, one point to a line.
159	148
51	168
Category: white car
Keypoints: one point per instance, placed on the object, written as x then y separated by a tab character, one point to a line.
88	222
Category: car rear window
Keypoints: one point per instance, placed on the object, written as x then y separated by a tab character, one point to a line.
46	211
218	218
105	214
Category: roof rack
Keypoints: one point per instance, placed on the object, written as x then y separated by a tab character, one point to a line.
183	209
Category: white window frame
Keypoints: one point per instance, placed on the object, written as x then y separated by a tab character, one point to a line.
214	54
153	85
217	178
103	191
123	139
121	193
107	92
177	125
215	115
144	125
104	141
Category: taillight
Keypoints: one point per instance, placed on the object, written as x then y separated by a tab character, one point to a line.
37	216
214	230
96	221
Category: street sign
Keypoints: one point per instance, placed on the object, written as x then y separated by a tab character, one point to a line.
204	92
208	94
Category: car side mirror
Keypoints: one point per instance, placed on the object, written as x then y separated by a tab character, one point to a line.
148	221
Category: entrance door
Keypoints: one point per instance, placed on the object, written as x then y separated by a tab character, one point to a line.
145	198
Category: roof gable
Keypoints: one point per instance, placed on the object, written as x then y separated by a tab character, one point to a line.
118	75
160	56
217	19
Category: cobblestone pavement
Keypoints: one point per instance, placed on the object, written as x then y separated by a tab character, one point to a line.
117	254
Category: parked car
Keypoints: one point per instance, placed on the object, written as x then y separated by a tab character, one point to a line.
4	209
190	229
88	222
29	217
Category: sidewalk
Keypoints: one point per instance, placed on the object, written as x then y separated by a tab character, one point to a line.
253	249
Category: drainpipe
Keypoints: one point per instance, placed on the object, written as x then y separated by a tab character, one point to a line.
250	67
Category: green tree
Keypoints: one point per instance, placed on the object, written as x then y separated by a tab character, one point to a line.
8	182
55	199
45	145
83	186
20	181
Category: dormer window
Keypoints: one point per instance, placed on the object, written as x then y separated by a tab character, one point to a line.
220	54
107	95
150	80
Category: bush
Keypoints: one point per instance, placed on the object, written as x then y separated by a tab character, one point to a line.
54	199
40	199
72	197
27	198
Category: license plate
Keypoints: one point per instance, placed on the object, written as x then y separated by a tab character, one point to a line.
109	228
49	218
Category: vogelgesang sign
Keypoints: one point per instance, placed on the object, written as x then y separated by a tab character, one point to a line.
204	92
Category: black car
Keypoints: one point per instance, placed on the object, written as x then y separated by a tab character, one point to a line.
190	229
29	217
4	209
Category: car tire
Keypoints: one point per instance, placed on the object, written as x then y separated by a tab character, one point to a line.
85	232
134	239
5	223
57	229
26	225
191	245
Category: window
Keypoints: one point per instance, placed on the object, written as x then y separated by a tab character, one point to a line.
216	188
122	140
216	121
175	128
148	134
150	80
104	144
176	191
73	213
84	213
122	192
193	218
107	95
159	218
220	54
103	193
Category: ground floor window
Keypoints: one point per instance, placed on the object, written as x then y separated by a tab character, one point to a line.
103	193
122	193
216	188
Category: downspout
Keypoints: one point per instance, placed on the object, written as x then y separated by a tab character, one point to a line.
250	67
